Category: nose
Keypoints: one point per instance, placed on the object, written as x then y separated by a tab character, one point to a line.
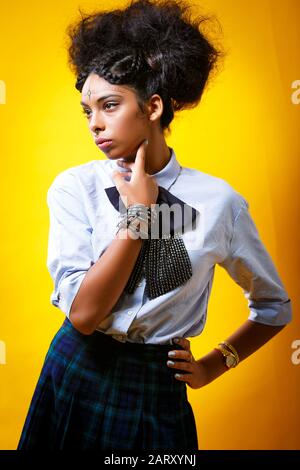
95	125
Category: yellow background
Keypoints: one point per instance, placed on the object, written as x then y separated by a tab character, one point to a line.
245	130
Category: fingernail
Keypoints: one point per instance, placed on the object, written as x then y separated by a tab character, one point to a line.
146	141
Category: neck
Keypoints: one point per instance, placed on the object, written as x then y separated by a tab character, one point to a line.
157	156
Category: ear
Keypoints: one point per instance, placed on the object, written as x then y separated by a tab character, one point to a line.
155	108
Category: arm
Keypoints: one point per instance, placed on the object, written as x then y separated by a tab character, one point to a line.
86	291
247	339
104	282
250	266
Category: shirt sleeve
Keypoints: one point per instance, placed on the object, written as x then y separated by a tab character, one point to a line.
70	252
251	267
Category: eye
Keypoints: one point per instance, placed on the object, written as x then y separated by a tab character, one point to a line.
86	112
108	103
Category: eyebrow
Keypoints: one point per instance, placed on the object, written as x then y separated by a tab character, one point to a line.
100	99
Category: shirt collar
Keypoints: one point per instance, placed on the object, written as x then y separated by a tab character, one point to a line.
165	177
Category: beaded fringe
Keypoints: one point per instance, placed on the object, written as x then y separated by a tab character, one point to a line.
164	262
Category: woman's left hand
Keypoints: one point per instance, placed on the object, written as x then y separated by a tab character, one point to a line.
195	376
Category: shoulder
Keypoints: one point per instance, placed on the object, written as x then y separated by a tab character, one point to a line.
69	186
74	176
214	191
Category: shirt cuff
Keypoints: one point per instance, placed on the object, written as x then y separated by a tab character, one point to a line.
271	313
65	295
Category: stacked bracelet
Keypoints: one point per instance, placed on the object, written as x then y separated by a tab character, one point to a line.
230	355
137	218
230	348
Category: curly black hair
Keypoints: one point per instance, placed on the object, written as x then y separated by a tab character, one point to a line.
155	47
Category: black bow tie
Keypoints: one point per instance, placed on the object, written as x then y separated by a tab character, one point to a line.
164	259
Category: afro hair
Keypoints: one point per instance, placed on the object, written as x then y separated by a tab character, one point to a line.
155	47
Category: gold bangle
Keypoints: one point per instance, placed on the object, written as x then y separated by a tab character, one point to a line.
230	359
227	351
229	346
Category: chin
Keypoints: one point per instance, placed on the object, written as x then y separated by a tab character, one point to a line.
115	154
128	157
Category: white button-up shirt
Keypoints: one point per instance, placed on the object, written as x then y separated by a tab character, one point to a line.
83	224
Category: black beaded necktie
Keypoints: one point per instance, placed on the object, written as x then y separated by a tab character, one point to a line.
163	260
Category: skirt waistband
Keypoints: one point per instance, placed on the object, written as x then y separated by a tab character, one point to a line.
107	340
138	346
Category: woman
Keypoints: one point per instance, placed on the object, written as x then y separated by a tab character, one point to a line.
114	377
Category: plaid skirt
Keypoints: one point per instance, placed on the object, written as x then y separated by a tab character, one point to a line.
97	393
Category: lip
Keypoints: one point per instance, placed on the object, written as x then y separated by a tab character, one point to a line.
105	144
100	140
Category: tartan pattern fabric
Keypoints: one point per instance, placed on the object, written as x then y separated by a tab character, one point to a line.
96	393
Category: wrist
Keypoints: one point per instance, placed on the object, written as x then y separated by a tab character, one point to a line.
125	233
213	365
136	219
222	358
229	353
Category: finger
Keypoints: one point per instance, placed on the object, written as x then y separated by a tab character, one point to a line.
127	165
139	163
118	177
183	342
183	377
179	365
117	174
126	175
186	355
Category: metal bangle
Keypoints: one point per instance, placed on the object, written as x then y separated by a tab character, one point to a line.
230	347
135	213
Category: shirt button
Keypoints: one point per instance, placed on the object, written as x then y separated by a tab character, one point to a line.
130	312
120	337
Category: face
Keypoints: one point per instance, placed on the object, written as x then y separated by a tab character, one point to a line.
117	117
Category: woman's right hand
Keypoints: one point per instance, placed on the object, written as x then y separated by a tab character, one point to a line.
142	188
